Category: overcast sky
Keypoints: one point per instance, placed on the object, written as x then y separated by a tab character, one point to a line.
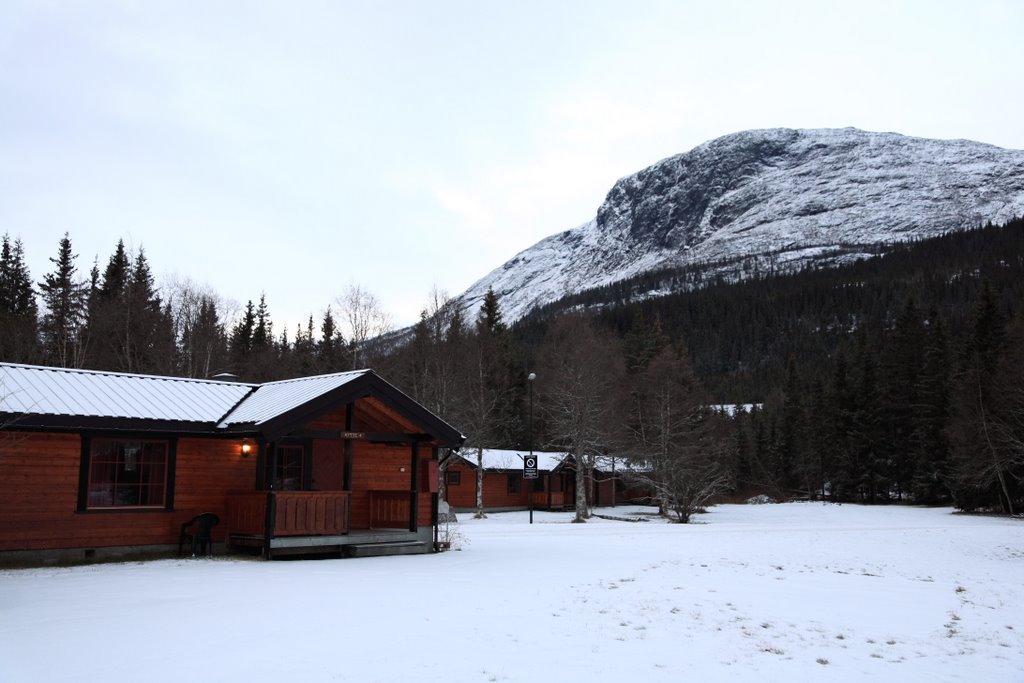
294	148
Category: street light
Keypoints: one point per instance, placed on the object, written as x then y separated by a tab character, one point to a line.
529	494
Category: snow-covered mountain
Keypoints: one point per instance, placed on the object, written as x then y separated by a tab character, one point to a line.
775	198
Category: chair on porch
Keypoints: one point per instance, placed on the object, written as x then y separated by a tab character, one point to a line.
196	532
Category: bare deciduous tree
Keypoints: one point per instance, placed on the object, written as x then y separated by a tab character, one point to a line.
676	451
365	319
578	376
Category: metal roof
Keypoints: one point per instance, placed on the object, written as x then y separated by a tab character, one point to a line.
35	390
498	459
275	398
64	398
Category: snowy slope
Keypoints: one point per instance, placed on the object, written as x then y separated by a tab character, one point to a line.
778	197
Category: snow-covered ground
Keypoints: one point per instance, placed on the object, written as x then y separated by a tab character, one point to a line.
767	593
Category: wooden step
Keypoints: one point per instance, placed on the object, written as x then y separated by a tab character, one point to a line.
386	549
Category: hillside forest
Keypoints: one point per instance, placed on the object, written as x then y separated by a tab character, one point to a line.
898	378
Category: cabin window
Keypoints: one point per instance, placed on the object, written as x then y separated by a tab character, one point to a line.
454	478
127	473
290	468
513	484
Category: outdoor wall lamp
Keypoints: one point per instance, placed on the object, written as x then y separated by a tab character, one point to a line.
247	447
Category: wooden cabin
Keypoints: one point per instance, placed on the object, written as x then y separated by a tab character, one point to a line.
98	463
612	484
504	487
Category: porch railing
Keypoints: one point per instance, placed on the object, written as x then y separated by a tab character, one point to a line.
296	513
390	509
545	498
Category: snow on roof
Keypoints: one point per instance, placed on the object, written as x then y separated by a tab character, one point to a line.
275	398
30	389
67	396
498	459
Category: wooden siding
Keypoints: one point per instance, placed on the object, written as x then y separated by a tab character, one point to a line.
370	416
380	467
38	506
496	495
464	494
207	469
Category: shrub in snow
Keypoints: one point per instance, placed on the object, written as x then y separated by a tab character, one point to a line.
760	499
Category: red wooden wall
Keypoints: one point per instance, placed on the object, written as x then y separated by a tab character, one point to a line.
496	493
38	506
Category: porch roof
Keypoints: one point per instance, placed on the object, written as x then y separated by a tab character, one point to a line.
270	400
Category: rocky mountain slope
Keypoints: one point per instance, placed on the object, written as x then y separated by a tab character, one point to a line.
767	199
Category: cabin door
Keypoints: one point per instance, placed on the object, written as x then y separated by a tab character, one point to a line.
328	467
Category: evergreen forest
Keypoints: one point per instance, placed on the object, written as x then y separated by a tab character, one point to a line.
898	378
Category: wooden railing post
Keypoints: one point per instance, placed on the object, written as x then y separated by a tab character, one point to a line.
414	502
268	525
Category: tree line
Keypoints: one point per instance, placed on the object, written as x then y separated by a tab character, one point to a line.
890	379
896	378
117	319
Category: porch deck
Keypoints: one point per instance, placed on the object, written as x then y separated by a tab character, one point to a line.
315	522
326	543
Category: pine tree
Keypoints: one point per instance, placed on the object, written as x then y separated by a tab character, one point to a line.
903	367
490	319
263	333
838	465
868	447
19	316
240	344
331	354
109	318
791	465
148	332
207	341
979	477
931	415
64	299
304	351
116	274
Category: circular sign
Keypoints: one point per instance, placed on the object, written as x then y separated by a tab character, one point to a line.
531	462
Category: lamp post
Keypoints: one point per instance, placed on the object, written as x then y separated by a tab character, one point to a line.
529	494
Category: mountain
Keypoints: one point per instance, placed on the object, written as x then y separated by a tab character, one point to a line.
766	200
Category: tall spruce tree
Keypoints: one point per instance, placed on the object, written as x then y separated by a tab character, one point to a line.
240	343
900	383
63	296
868	448
979	476
931	471
19	315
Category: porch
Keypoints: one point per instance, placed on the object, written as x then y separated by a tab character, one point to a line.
319	522
551	500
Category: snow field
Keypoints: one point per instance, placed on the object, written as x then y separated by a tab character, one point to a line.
777	592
